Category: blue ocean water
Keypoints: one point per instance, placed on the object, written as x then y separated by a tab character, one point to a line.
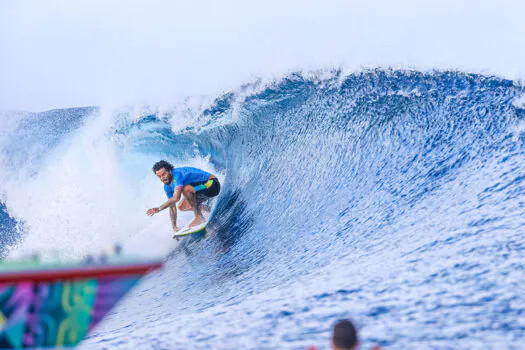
395	198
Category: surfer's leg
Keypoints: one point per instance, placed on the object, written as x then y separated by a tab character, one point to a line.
184	205
190	195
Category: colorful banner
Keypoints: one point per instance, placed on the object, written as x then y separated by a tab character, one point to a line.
59	311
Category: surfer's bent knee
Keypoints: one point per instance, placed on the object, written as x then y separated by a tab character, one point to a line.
187	189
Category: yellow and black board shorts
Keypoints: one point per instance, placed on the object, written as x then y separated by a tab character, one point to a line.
206	189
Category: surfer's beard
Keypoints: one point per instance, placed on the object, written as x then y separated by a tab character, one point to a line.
170	179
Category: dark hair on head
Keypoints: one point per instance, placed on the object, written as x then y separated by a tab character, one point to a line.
162	164
345	335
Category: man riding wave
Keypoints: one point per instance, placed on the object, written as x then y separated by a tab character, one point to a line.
194	184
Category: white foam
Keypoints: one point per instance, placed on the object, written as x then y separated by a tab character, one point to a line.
92	192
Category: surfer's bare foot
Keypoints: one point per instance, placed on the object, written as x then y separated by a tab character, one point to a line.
197	221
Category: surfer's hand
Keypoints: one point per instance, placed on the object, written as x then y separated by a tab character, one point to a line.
152	211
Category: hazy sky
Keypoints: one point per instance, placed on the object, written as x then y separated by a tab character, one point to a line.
56	54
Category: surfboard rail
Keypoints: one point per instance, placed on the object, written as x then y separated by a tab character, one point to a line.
187	231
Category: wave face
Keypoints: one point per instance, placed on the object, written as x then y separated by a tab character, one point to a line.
391	197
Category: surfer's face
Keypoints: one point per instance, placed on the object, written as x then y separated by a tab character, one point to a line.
164	176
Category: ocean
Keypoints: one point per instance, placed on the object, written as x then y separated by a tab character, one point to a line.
392	197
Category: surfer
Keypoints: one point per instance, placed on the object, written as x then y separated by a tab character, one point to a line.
344	336
194	184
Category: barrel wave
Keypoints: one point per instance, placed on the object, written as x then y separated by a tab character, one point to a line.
392	197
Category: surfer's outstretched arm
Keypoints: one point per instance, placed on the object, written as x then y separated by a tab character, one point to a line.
173	217
172	202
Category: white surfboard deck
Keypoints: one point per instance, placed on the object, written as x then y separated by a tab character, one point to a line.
186	231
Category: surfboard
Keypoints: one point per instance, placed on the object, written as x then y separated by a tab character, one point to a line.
187	231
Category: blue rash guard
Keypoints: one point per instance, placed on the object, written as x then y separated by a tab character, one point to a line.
185	176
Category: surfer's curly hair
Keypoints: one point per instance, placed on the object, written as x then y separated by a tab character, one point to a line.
162	164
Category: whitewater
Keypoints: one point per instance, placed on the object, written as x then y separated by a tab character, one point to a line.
392	197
